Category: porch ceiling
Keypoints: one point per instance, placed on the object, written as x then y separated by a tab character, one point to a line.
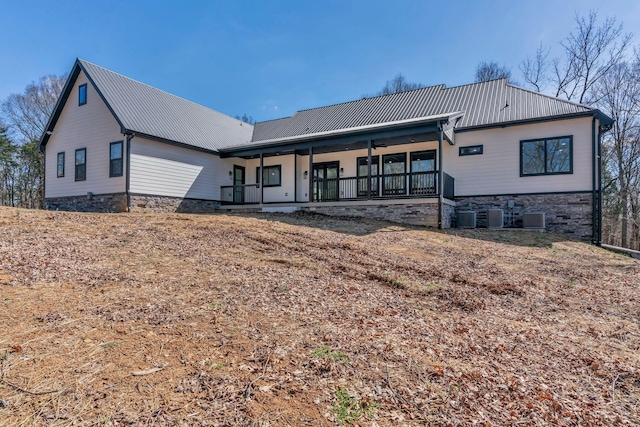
380	138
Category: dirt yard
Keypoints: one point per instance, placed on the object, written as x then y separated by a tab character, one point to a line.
276	320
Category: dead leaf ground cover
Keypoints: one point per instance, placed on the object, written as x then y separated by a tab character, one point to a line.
173	319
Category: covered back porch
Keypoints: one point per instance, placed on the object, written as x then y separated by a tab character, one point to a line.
400	162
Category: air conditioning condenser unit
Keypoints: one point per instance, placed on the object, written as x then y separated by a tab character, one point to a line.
466	219
495	218
533	220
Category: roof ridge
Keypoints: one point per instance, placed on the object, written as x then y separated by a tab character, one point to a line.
84	61
274	120
555	98
370	97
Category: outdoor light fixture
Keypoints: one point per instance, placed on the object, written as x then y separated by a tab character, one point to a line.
230	173
341	171
305	175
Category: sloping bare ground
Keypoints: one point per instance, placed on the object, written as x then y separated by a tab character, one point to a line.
272	320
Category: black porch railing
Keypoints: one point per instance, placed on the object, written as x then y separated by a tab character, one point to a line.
244	194
391	186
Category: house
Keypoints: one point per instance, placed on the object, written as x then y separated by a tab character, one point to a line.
419	157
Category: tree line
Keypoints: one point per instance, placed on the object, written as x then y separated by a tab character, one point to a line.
597	65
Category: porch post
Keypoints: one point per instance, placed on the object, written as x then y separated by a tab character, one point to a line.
295	176
260	179
368	169
440	176
310	176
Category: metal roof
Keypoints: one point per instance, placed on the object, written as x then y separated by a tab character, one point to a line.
487	103
143	109
146	110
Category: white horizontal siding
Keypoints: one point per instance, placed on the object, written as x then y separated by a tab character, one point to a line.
166	170
497	170
90	126
284	192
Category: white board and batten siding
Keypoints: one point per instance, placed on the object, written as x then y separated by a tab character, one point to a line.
497	170
90	126
162	169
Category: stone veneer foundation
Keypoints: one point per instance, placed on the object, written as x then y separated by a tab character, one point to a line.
139	203
568	213
96	203
425	213
143	203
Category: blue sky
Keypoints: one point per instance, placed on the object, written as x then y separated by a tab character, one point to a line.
271	58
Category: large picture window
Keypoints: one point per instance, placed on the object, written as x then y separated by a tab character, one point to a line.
270	176
81	164
115	159
547	156
60	172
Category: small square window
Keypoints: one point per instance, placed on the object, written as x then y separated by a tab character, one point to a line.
115	159
60	172
82	94
470	150
81	164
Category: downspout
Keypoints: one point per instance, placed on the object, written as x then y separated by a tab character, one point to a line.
295	177
440	176
599	242
43	150
127	184
594	195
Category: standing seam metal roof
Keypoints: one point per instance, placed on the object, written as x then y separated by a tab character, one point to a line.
144	109
483	103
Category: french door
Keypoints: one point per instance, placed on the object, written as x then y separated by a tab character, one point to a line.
325	181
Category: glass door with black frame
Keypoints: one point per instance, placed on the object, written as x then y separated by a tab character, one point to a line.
325	181
238	184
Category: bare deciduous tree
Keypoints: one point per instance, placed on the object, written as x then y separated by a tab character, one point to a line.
26	116
589	52
398	84
486	71
535	69
27	113
618	92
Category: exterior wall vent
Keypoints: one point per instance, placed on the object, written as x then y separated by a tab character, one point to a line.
466	219
495	218
533	220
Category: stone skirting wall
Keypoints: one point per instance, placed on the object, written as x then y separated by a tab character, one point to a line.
425	214
96	203
569	213
143	203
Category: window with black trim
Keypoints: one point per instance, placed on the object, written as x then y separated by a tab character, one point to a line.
81	164
470	150
60	172
82	94
270	176
549	156
115	159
